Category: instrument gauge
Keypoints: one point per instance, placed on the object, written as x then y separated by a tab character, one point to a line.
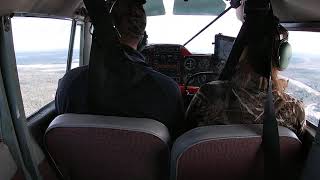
202	79
190	64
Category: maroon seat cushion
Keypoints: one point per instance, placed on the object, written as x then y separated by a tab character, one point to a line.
98	147
230	153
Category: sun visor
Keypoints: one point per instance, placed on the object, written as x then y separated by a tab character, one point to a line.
199	7
154	8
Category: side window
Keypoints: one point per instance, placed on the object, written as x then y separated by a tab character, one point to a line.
304	72
41	46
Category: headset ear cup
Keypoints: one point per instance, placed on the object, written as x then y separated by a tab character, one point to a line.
143	42
285	54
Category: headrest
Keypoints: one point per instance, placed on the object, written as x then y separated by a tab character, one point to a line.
143	125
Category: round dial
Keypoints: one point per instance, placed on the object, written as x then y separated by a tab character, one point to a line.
190	64
202	79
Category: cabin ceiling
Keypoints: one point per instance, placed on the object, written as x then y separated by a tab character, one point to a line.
63	8
297	10
286	10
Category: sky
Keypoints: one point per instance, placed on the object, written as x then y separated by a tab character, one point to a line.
37	34
42	34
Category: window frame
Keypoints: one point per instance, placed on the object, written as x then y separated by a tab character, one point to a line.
85	42
75	22
307	27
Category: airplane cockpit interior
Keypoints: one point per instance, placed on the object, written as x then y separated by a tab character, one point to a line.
215	89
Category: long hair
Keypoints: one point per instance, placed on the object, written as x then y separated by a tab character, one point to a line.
279	85
246	74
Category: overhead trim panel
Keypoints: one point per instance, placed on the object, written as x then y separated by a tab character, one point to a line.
199	7
61	8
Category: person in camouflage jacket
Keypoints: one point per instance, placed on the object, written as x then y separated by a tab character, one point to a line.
241	101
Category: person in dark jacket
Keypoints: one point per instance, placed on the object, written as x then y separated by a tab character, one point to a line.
135	89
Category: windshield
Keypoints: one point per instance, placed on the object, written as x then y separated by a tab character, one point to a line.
178	29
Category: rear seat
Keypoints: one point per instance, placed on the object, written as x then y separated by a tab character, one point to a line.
230	152
100	147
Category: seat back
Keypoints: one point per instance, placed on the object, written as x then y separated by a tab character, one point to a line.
100	147
230	152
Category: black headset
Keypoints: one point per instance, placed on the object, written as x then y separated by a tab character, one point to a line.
284	50
143	42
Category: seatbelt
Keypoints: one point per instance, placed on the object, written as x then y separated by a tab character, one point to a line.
104	41
311	170
234	57
110	68
270	137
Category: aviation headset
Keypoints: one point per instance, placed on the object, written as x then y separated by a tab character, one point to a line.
144	40
283	50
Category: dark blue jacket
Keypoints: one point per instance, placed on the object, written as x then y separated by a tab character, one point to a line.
156	96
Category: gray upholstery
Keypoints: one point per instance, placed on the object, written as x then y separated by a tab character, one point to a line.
8	167
100	147
50	7
95	121
212	151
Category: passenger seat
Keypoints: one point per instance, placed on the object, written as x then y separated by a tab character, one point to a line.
101	147
231	152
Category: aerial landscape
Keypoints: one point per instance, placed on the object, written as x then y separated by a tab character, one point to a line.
39	73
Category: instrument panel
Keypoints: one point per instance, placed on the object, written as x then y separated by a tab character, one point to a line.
165	58
178	63
194	64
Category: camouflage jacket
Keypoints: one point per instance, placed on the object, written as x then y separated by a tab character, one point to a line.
222	103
